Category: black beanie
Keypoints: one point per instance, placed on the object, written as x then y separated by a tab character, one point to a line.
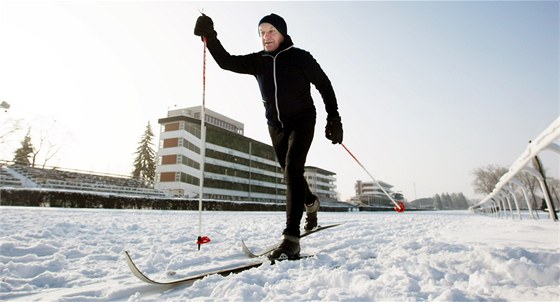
277	22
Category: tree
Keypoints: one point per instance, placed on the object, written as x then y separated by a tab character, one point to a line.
50	140
487	177
48	137
9	128
531	183
438	204
446	201
22	154
460	201
554	190
145	163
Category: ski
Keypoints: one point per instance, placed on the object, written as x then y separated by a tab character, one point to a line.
271	248
223	272
274	260
189	280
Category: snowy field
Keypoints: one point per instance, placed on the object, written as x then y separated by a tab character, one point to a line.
49	254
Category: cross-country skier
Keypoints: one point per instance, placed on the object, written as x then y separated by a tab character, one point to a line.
284	74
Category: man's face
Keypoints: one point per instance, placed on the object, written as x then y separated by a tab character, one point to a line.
270	37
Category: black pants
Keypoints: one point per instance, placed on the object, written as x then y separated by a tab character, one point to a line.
291	145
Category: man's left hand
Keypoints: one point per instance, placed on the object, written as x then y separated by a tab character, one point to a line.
333	130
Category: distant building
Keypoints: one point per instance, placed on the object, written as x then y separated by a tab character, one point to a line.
370	193
321	183
235	168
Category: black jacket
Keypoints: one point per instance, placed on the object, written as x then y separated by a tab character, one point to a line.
284	77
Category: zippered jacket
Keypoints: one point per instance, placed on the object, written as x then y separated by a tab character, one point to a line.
284	77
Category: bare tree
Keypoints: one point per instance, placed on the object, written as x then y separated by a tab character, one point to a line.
487	177
555	189
49	140
48	137
531	183
48	145
9	130
9	127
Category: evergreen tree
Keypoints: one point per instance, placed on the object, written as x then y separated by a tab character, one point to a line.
437	202
145	162
447	202
462	202
22	154
454	201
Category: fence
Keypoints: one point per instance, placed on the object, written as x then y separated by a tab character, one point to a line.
498	202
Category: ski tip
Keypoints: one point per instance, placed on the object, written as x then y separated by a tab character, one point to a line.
247	251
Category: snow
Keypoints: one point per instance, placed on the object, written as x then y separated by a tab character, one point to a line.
50	254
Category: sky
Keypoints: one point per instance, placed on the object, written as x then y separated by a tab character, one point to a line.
428	91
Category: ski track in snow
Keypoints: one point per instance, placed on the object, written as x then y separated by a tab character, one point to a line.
49	254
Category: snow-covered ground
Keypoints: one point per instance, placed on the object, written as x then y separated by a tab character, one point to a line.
49	254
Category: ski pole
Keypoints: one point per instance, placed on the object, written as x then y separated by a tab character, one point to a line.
202	239
399	206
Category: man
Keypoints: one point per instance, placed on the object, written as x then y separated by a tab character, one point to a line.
284	74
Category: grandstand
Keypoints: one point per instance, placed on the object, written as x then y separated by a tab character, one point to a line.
52	178
7	179
57	186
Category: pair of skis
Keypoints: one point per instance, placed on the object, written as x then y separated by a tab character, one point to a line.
223	271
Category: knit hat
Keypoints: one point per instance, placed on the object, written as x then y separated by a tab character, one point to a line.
276	21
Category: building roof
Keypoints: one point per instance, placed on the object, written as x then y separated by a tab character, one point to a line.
320	170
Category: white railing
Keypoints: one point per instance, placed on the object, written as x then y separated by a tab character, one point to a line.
504	192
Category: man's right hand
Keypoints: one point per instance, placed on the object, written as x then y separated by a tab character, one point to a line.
204	27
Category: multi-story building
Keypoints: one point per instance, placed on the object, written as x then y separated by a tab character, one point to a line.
235	167
370	193
321	183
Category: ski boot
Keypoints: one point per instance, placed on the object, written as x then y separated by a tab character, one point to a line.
311	218
287	250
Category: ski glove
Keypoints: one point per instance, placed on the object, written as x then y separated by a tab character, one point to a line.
204	27
333	130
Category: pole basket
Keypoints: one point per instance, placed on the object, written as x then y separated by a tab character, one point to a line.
202	240
399	208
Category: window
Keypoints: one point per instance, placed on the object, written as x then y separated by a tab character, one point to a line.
171	142
171	127
167	176
168	159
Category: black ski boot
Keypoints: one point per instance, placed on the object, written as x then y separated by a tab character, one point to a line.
288	249
311	211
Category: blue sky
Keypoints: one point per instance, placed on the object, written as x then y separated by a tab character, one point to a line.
427	91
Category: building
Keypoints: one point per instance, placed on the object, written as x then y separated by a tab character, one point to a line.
370	193
235	167
321	183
